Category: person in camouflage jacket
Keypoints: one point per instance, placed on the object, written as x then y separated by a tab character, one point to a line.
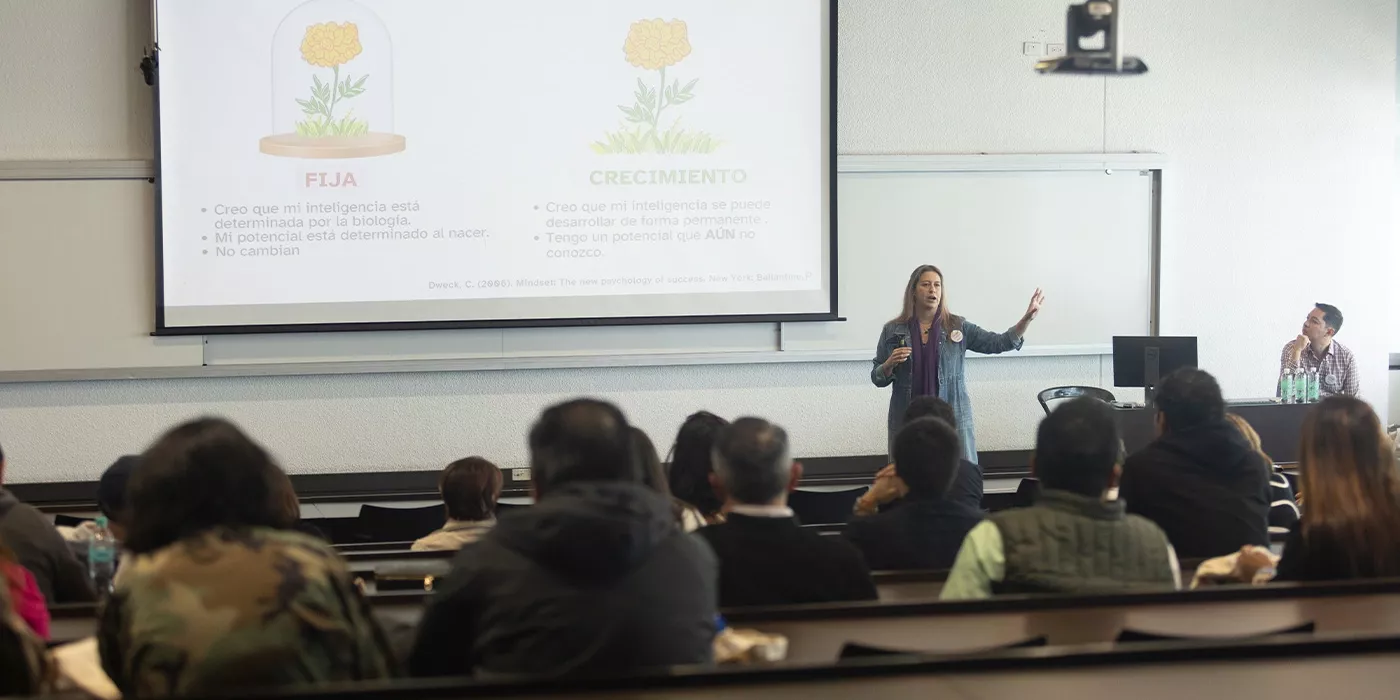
217	593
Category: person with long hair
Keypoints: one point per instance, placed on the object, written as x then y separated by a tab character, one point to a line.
691	465
217	579
1351	525
921	352
654	475
1283	506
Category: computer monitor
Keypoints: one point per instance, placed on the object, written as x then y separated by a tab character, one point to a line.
1144	360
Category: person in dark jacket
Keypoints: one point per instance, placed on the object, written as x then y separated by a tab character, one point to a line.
1200	480
765	557
1075	539
594	579
925	531
967	478
1283	505
39	548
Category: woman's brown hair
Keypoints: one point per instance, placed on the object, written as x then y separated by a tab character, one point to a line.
1350	476
945	317
470	488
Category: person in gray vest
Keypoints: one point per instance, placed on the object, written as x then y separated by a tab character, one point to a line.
1074	539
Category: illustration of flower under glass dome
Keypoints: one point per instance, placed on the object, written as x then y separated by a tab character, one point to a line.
332	84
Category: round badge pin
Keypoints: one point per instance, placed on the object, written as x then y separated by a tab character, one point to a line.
955	336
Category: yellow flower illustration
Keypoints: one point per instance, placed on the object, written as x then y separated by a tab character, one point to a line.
329	45
655	44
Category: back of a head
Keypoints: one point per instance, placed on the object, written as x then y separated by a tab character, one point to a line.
1189	398
1348	472
470	487
201	475
111	488
926	456
1250	436
930	407
752	461
581	440
691	462
1077	447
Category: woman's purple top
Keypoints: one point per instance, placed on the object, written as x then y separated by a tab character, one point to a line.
925	358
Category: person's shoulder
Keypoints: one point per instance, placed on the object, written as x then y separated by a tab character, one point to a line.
1342	349
1144	524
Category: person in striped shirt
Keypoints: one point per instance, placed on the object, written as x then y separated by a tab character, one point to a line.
1316	348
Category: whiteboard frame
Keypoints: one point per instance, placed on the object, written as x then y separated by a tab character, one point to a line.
1154	164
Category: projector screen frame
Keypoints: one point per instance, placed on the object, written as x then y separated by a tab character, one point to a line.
829	155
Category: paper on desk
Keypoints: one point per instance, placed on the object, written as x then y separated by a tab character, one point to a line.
80	665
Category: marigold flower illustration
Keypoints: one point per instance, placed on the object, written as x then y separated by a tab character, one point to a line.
655	45
331	45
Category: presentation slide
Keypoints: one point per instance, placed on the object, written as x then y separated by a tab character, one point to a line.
340	162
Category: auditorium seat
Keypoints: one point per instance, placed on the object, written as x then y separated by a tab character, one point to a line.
853	650
380	524
824	507
1065	393
1132	635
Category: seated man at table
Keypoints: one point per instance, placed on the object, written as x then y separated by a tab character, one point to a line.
765	557
1200	481
925	531
1073	540
1316	349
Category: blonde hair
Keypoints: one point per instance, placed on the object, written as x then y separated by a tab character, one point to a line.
945	317
1250	436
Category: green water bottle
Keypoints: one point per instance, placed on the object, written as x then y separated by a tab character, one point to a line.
1314	386
1285	387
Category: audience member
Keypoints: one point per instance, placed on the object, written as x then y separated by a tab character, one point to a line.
1200	480
1283	506
469	489
1351	526
765	557
38	547
1073	540
690	465
927	529
217	594
595	578
654	475
967	480
24	594
25	666
111	494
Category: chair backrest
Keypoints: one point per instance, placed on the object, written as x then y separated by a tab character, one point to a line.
824	507
381	524
1064	393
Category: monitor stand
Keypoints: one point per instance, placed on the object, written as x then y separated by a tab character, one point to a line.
1151	374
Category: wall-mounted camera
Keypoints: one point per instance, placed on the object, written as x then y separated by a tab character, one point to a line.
1093	43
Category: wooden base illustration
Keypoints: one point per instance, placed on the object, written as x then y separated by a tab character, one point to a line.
332	147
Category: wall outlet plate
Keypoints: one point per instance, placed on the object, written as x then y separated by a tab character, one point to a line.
1032	48
520	475
1054	50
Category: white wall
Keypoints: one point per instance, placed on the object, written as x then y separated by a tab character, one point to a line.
1277	117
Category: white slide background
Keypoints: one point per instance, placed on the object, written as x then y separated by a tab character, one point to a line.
499	105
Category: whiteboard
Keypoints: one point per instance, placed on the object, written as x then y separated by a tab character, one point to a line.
77	272
1084	235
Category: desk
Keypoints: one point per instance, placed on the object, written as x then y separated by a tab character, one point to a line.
1279	426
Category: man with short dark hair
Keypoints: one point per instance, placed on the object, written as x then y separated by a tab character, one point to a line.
967	481
926	529
1074	539
765	557
39	548
1201	480
595	578
1316	349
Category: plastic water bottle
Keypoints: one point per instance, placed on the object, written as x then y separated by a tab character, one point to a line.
1285	386
102	558
1314	386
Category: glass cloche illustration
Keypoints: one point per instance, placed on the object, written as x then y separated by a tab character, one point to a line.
332	84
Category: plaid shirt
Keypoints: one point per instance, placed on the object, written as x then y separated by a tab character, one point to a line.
1336	368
